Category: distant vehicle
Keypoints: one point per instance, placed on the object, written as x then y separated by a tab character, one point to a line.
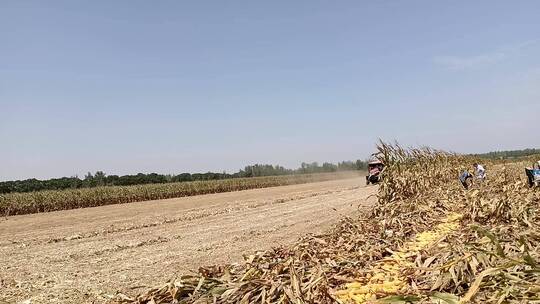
375	168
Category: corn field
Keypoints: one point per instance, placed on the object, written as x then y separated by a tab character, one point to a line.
53	200
427	240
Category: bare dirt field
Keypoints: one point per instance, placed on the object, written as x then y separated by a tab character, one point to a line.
87	255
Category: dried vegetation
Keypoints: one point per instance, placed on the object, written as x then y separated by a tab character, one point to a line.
426	241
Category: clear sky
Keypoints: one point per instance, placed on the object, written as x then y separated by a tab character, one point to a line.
174	86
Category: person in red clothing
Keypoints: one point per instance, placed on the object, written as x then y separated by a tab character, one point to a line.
374	171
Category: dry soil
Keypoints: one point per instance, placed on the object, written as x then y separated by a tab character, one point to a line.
88	255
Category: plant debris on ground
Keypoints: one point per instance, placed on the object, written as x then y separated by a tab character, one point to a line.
427	240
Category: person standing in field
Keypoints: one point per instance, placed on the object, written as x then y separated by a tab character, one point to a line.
533	174
479	171
466	179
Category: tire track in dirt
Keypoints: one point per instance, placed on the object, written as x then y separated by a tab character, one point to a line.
86	255
192	216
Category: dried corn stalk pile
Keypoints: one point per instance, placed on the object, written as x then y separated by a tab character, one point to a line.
386	277
427	240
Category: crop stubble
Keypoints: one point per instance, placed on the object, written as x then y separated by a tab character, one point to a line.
488	252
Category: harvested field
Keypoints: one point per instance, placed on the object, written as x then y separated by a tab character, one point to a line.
87	255
427	240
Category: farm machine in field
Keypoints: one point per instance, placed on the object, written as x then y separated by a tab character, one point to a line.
375	167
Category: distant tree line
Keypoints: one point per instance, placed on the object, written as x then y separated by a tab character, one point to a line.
509	154
101	179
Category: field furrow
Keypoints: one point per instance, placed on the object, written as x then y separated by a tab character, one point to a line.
87	255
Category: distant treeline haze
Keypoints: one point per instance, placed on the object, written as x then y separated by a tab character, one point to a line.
509	154
101	179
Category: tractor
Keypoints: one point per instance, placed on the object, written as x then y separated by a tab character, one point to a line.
375	168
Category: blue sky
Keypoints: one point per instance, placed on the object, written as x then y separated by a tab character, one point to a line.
174	86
